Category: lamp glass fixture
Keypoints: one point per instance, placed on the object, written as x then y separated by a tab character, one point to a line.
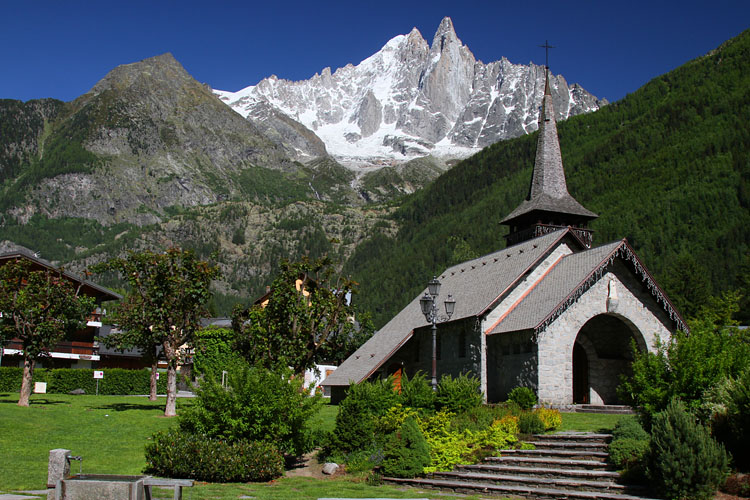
450	305
434	286
426	303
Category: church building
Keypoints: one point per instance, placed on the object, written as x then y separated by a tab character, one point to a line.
548	312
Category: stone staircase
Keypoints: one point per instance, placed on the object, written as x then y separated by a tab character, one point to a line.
611	409
564	465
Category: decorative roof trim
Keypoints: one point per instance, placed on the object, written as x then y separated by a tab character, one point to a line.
625	252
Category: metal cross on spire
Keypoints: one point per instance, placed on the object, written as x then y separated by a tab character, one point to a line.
546	48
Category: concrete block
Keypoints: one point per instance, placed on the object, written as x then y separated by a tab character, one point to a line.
58	467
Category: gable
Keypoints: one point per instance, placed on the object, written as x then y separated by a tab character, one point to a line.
575	274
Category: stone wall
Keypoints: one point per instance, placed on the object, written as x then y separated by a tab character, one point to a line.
511	362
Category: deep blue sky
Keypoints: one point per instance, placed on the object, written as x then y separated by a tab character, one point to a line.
54	48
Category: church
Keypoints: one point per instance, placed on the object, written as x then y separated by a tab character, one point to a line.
549	312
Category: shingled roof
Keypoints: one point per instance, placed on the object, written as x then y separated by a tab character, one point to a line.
549	191
475	284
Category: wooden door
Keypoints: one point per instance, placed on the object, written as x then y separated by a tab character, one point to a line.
580	375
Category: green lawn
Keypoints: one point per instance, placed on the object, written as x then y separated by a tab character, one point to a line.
109	432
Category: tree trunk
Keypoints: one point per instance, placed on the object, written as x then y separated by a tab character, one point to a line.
154	373
171	409
28	376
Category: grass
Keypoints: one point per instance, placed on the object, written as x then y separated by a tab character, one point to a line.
109	432
590	422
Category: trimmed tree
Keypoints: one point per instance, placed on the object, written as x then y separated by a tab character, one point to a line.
307	319
167	298
38	308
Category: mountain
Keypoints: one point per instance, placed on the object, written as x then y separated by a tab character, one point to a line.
410	99
667	167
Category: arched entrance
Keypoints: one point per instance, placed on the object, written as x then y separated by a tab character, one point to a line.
601	354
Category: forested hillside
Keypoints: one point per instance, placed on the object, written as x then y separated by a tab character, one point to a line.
667	167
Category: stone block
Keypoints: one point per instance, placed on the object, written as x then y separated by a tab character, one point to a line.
58	467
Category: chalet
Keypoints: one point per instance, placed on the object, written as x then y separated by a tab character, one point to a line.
549	311
79	350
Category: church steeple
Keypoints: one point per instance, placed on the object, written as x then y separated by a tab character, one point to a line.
549	206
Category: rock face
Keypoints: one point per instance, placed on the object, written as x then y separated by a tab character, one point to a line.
412	99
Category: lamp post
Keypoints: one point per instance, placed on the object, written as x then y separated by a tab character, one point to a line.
428	303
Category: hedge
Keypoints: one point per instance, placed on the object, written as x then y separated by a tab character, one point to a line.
116	381
178	454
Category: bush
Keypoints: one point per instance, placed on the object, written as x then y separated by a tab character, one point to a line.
355	422
523	397
176	454
116	381
459	394
685	462
214	351
416	392
530	423
629	428
407	453
259	405
551	419
480	417
629	448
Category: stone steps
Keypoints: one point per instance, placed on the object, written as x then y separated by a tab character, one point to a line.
565	465
611	409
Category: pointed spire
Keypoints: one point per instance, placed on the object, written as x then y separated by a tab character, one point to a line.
549	204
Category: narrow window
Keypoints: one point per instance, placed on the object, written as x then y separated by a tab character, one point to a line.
462	344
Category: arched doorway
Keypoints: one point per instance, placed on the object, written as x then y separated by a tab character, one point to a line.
602	353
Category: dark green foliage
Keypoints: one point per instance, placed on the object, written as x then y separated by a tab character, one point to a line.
407	453
629	428
176	454
258	405
355	422
214	351
116	381
58	239
458	394
629	449
523	397
417	392
305	322
530	423
264	184
668	167
731	423
686	462
691	364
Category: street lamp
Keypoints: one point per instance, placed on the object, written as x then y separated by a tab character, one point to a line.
428	303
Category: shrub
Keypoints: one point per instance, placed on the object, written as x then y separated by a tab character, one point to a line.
686	462
259	405
407	453
551	419
479	417
629	448
458	394
417	392
629	428
523	397
176	454
530	423
356	420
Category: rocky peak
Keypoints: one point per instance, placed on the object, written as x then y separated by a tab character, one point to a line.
444	35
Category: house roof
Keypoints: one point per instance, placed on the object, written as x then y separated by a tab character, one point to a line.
479	284
89	287
476	285
549	191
